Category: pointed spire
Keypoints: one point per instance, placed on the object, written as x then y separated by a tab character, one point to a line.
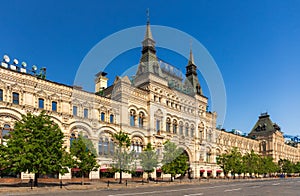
191	59
148	34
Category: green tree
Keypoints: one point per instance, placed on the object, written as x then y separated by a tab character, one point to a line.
123	157
174	160
267	165
297	167
235	162
36	146
286	166
149	159
222	161
251	162
83	155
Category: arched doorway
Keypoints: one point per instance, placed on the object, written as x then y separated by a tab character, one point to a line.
189	171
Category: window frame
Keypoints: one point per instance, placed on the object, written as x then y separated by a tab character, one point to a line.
14	96
41	103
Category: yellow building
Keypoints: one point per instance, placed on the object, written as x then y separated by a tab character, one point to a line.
156	106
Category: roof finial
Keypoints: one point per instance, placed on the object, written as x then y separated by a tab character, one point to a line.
148	15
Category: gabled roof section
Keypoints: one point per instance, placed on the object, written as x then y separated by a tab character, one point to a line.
264	126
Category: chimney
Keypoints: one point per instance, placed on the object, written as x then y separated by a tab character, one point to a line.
100	81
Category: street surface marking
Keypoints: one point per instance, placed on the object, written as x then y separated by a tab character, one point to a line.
176	190
187	189
275	184
229	190
255	187
194	194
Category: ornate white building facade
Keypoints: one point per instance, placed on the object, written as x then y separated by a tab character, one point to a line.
156	106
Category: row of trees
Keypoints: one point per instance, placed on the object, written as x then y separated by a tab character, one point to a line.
37	146
174	161
252	163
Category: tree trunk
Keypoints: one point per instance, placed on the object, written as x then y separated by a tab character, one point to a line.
120	182
36	176
82	178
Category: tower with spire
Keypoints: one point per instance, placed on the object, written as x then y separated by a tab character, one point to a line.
191	75
148	63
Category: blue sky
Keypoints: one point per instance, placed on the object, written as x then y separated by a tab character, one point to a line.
254	43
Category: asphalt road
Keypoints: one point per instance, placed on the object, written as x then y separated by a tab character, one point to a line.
290	186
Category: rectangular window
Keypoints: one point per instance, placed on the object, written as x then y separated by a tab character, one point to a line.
102	117
208	157
181	129
41	103
74	110
54	106
111	118
85	113
16	98
1	95
157	125
132	120
186	131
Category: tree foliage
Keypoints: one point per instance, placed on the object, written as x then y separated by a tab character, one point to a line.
122	160
35	146
149	159
83	155
286	166
251	163
174	160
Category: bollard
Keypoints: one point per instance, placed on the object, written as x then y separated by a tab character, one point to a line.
156	180
126	183
60	184
142	181
108	183
31	183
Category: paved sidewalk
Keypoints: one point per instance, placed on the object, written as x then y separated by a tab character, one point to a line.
8	189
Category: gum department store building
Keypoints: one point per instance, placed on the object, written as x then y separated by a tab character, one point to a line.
156	106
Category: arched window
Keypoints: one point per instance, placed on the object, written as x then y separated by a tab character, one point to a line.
105	145
86	113
132	118
54	106
111	147
41	103
186	129
192	131
157	125
181	128
168	125
72	138
1	95
201	130
5	133
15	98
111	118
141	119
100	147
175	126
136	145
208	155
74	110
102	116
209	136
